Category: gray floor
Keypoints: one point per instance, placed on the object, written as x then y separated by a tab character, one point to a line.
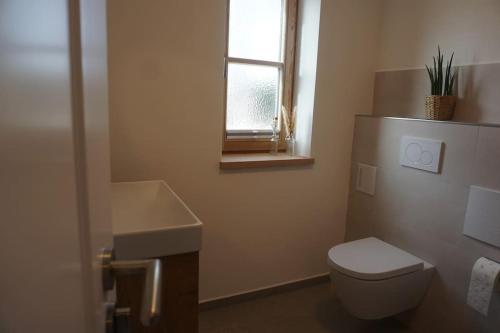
310	310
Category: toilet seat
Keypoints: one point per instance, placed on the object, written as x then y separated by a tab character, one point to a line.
372	259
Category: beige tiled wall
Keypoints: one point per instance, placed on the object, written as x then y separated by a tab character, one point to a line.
402	93
423	212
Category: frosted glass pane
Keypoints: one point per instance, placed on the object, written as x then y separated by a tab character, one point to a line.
255	29
252	97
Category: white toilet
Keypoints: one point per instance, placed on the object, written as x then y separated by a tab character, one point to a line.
375	280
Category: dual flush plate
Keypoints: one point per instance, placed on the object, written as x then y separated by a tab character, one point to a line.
419	153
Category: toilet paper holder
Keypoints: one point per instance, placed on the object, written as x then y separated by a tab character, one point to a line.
484	283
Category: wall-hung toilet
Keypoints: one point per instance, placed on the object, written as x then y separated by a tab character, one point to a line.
375	280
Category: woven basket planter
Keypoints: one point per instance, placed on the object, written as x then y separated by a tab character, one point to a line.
439	107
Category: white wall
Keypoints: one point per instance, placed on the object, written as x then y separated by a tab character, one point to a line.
409	34
306	65
262	227
411	31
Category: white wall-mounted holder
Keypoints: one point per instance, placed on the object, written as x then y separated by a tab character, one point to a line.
420	153
482	218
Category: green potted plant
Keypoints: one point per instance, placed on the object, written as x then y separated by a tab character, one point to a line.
440	105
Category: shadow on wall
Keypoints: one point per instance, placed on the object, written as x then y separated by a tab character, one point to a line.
443	303
478	90
401	93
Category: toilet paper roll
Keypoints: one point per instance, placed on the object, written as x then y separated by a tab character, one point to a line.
485	274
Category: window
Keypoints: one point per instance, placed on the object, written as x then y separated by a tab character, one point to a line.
259	70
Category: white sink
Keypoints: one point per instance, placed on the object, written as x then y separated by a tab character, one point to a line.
150	220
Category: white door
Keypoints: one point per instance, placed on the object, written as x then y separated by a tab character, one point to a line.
54	165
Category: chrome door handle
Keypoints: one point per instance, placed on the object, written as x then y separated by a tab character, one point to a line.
151	297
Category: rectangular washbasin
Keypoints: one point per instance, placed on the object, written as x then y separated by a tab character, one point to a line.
150	221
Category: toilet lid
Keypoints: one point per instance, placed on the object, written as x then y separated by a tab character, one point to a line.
372	259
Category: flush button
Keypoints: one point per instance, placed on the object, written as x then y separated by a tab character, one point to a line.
426	158
420	153
414	152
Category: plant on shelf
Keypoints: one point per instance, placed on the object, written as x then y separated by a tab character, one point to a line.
440	105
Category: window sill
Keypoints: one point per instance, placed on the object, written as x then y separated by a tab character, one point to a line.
262	160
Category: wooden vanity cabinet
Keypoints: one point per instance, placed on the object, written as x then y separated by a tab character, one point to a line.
179	308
